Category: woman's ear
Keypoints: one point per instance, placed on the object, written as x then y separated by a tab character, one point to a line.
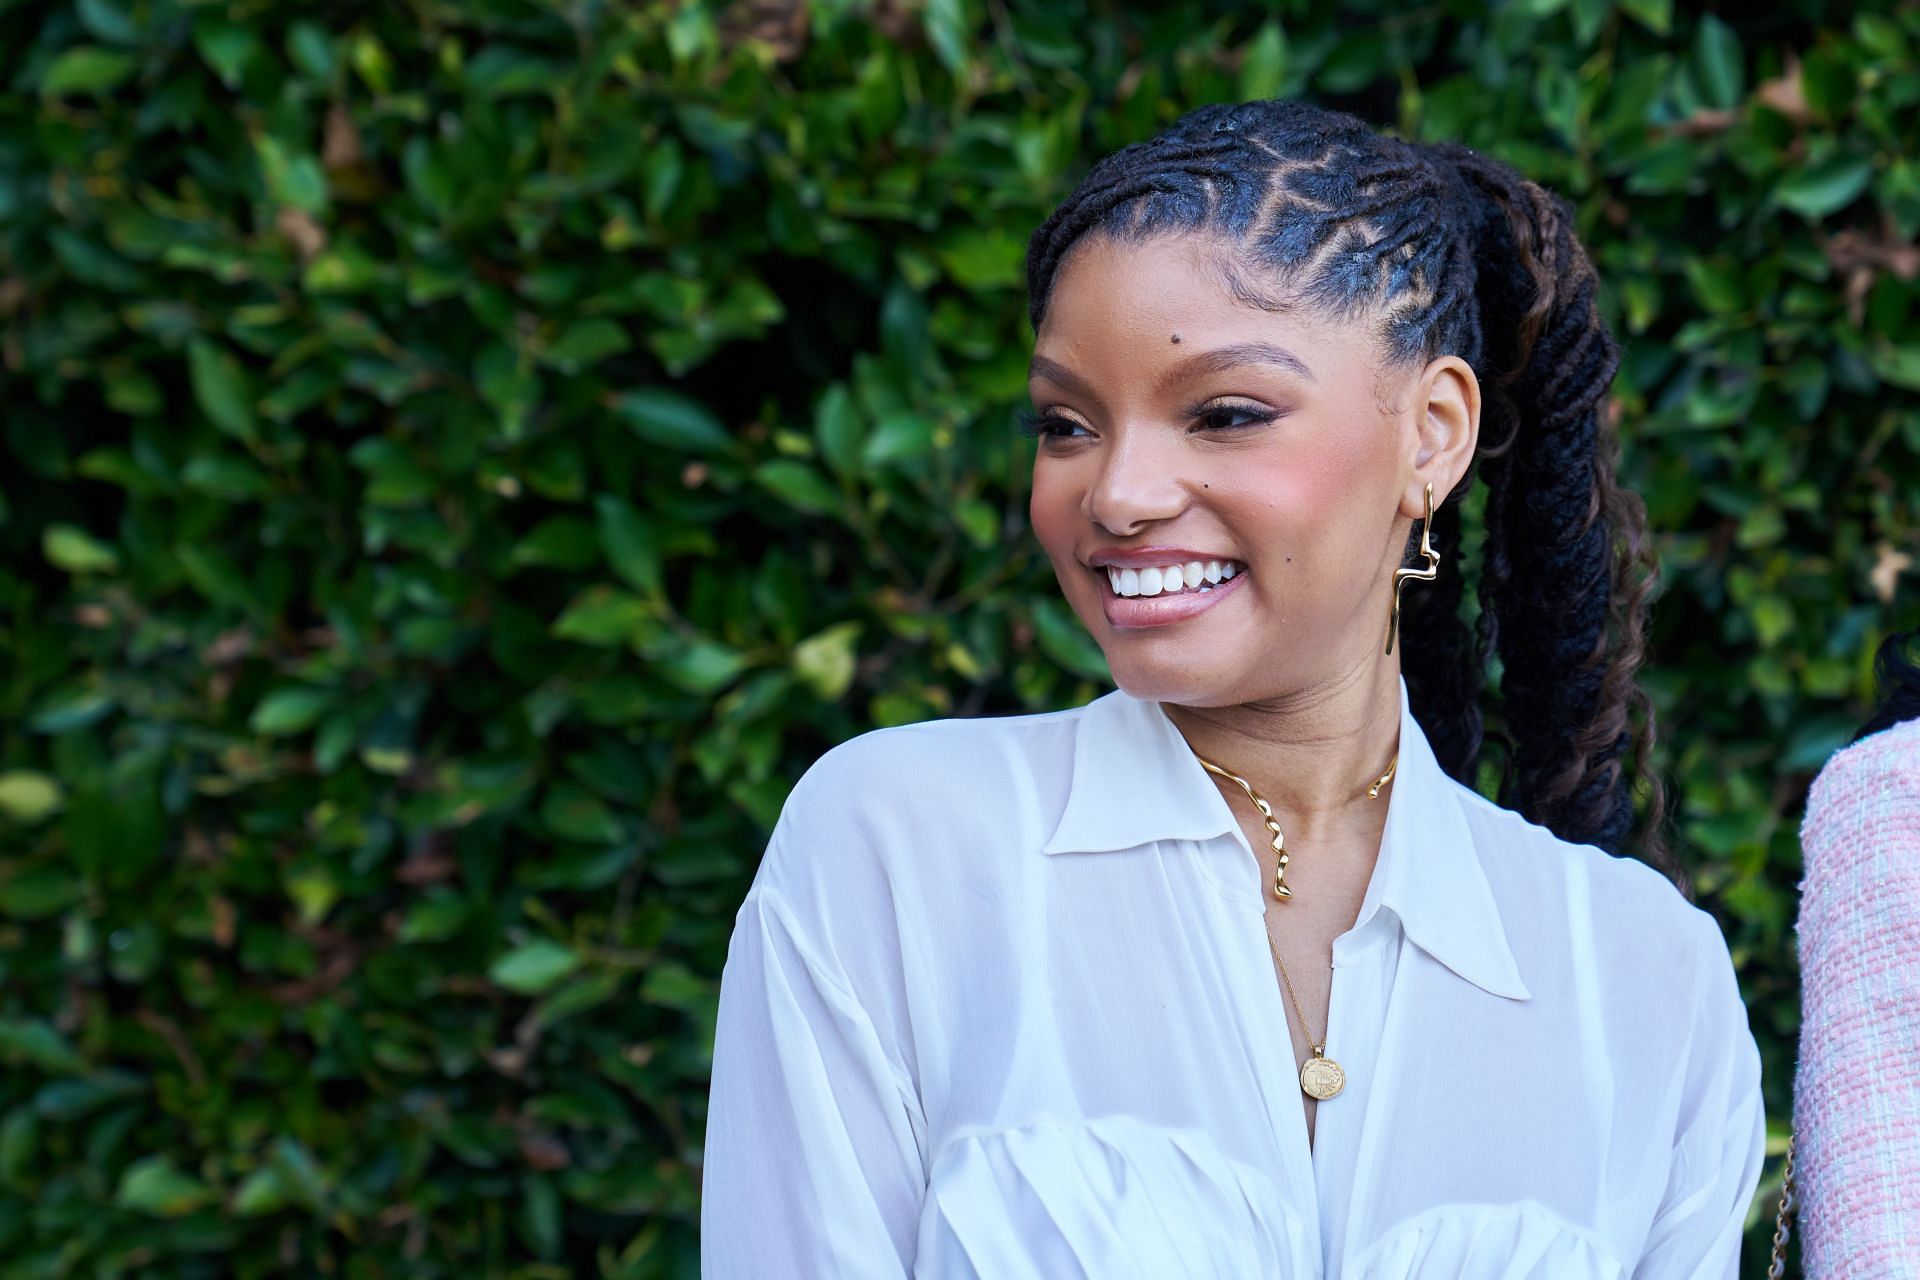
1446	431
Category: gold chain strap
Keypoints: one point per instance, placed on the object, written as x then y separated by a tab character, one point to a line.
1778	1267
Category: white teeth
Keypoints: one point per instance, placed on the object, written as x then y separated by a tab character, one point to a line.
1194	575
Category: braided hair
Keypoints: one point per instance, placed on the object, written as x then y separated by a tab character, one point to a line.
1452	253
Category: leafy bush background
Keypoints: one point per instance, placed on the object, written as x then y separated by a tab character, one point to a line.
461	463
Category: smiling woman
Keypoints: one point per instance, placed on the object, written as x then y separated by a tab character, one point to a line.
1069	997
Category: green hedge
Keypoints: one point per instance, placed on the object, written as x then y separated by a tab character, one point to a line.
462	462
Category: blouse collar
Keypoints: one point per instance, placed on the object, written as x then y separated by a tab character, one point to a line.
1428	873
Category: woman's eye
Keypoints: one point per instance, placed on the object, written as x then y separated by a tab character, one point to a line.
1049	425
1222	417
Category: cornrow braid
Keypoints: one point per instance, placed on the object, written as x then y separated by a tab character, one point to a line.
1447	252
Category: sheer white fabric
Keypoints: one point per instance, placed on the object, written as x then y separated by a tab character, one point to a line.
999	1003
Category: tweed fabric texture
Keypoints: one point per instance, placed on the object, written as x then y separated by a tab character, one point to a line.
1857	1084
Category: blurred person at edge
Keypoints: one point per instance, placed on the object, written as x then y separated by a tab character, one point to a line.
1230	971
1857	1082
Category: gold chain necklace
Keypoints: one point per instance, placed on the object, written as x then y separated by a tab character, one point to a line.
1320	1076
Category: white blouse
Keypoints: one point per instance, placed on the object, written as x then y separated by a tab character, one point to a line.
999	1003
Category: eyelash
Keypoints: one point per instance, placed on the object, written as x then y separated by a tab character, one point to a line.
1031	424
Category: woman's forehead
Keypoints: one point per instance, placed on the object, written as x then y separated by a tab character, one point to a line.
1153	310
1175	279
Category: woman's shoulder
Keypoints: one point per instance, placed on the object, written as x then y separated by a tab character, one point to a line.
953	748
1588	919
888	800
1517	848
1860	885
930	766
1875	777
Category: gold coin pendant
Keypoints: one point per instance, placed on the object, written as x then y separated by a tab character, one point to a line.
1322	1077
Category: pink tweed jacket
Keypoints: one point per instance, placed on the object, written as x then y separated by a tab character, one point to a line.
1857	1083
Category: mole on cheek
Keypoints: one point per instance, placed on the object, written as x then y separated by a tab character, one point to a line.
1176	337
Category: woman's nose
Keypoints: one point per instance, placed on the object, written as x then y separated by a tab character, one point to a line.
1137	483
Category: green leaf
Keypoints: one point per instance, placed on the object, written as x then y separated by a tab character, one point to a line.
798	484
533	968
585	341
1263	64
153	1185
222	389
108	20
502	71
35	1041
836	427
1812	741
949	31
1657	15
393	477
227	46
77	551
19	1142
984	257
629	544
292	178
674	986
28	797
825	661
69	709
603	616
313	891
701	666
1719	284
213	574
1772	619
1899	366
671	420
36	893
372	62
901	437
508	384
311	49
558	542
1720	61
86	69
260	1193
226	477
1827	187
979	521
436	918
574	813
1064	640
289	710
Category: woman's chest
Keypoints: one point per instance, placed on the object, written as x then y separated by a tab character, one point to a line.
1124	1100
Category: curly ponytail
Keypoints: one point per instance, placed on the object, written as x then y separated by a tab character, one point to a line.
1569	566
1448	252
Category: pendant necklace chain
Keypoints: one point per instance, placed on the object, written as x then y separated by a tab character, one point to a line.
1320	1076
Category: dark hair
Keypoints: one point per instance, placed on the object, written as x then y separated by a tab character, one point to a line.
1898	676
1460	255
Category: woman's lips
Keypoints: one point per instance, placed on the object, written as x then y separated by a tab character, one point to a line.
1130	612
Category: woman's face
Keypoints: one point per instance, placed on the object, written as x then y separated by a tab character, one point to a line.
1195	428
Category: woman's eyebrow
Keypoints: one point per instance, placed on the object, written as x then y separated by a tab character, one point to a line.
1221	359
1218	360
